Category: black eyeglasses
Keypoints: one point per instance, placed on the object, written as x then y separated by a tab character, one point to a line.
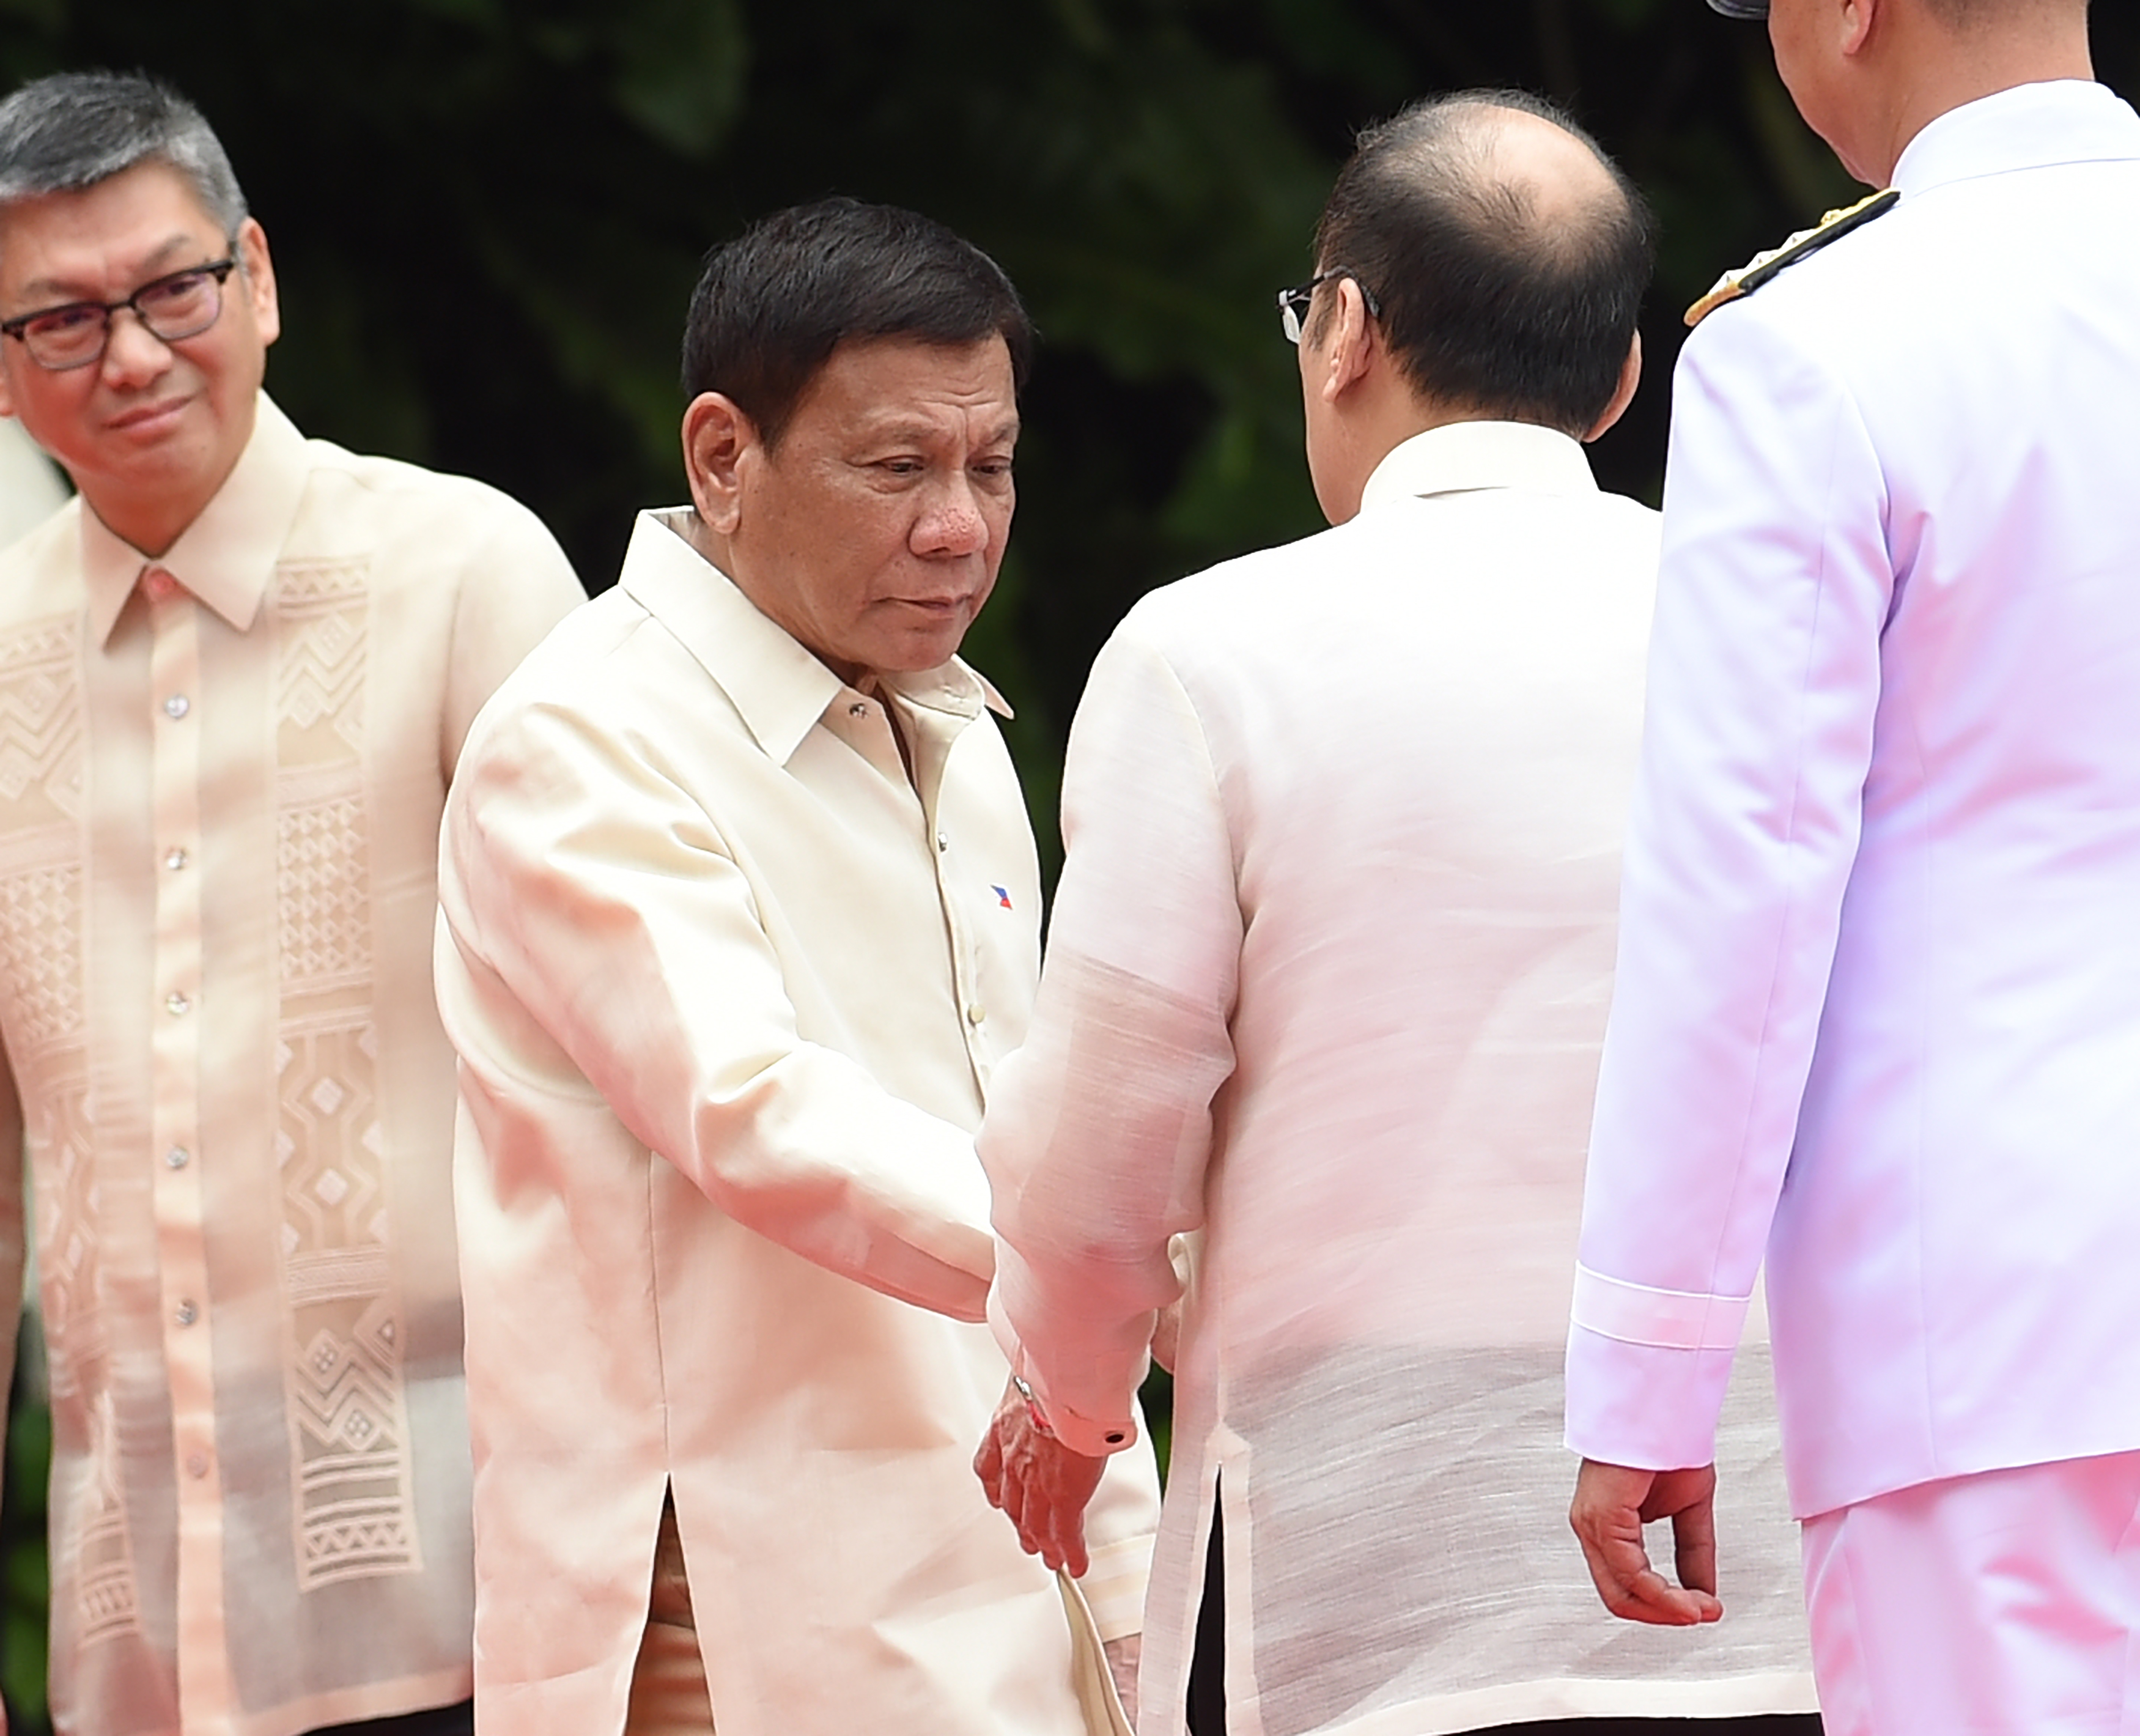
178	305
1292	304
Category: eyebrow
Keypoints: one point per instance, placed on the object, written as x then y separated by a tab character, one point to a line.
73	292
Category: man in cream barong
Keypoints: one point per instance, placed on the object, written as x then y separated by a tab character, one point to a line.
740	915
235	672
1325	989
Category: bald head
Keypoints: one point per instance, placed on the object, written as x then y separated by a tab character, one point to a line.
1506	252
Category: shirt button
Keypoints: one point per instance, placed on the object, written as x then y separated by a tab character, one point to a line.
177	706
975	1013
943	842
174	859
177	1005
858	710
186	1314
177	1157
197	1464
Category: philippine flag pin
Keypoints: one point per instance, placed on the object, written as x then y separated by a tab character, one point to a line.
1003	896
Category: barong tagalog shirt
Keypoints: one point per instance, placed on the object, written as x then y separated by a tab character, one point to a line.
729	987
1877	1018
1326	985
221	775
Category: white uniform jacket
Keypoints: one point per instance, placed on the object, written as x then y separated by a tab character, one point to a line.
1326	980
728	989
1879	978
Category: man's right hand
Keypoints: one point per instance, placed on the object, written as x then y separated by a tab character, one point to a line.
1612	1505
1040	1485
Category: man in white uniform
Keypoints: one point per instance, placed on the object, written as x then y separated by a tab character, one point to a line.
1326	984
1877	1014
235	672
740	915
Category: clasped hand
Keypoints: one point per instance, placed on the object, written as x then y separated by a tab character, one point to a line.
1041	1485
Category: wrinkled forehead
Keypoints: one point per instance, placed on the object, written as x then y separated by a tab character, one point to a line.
887	385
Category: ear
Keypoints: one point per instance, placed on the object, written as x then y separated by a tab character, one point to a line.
1856	19
718	437
259	280
1623	393
1350	341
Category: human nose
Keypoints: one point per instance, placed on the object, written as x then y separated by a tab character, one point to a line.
132	354
953	523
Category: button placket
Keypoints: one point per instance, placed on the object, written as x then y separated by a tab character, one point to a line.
177	1033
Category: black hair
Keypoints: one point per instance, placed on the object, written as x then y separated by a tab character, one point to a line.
1485	303
774	303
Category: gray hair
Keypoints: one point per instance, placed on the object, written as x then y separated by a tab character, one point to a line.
73	129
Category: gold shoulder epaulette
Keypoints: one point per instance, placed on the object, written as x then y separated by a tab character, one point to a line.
1834	227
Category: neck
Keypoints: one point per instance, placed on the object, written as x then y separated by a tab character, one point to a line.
151	527
1931	69
1370	434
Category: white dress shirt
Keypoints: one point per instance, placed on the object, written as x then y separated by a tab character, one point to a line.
217	820
729	987
1880	953
1326	982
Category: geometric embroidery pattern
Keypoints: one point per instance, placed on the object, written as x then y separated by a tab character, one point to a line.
40	713
351	1467
43	967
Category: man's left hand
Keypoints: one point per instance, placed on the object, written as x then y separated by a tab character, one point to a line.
1612	1503
1041	1486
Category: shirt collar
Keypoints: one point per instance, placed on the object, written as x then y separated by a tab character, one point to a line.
226	555
780	689
1460	456
2029	126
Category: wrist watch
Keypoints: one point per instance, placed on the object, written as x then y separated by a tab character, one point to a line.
1032	1406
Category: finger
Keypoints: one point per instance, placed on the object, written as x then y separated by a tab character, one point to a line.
1023	1507
1627	1585
1694	1549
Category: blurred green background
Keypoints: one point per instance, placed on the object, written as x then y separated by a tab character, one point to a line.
487	216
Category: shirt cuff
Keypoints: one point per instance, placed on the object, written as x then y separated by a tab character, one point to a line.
1645	1406
1094	1437
1114	1586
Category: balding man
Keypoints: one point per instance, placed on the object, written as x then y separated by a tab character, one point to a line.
1326	982
1878	1008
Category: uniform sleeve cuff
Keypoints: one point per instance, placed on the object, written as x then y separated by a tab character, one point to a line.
1645	1406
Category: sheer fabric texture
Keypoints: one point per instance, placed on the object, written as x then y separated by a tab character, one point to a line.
1325	992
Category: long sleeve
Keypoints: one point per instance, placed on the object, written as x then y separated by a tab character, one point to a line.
1764	679
585	882
515	587
1100	1127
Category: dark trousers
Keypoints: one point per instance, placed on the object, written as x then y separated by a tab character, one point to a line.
1207	1683
458	1720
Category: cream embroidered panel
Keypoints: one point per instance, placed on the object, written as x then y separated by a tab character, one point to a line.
348	1413
43	913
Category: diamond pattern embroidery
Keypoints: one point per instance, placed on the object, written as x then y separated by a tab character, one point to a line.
349	1426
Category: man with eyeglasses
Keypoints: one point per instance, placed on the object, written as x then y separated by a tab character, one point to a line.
1324	993
235	672
1877	1026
